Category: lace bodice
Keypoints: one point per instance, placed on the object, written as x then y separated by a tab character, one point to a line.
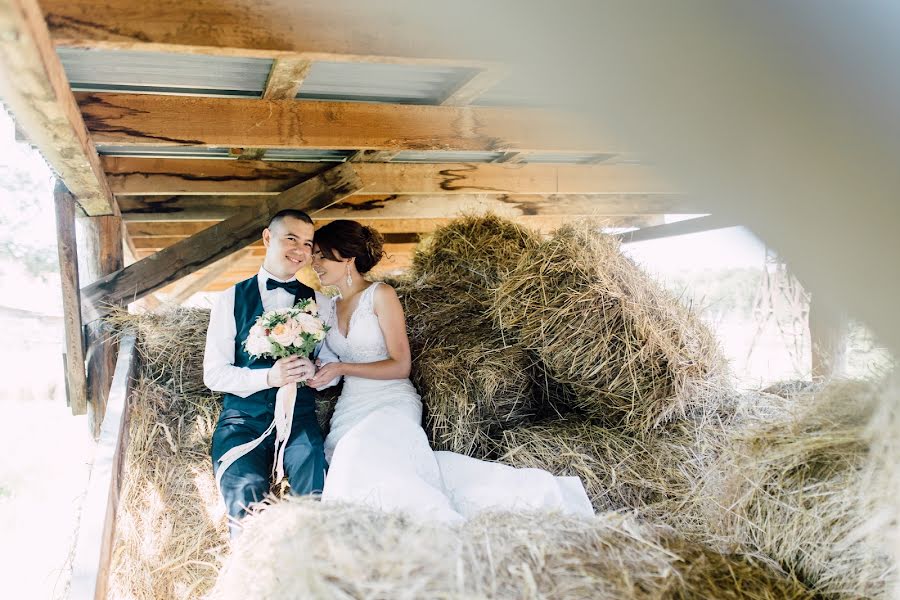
364	341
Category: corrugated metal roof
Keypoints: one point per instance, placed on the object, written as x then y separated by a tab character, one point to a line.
164	72
165	151
307	155
445	156
375	82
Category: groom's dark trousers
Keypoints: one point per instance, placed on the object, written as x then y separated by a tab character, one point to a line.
242	420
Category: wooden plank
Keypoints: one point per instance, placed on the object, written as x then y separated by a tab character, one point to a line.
76	377
167	177
214	243
336	30
392	229
100	252
159	120
388	206
182	290
285	78
476	85
828	331
97	527
373	156
697	225
34	87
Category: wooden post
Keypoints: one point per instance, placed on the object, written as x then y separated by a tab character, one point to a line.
828	339
76	379
99	253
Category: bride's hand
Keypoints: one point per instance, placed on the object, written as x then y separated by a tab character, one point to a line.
325	374
289	370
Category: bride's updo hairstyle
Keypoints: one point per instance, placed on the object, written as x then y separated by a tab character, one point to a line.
351	240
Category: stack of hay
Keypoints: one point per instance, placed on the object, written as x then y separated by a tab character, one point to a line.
304	549
474	382
561	354
805	489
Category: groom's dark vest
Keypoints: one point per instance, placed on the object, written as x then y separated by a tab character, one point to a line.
248	307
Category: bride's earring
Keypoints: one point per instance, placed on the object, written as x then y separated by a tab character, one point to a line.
349	277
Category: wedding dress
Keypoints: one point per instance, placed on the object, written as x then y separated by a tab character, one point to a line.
379	455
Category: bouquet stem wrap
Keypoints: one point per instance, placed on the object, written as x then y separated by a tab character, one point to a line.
285	398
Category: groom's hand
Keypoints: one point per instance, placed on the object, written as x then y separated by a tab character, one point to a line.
290	370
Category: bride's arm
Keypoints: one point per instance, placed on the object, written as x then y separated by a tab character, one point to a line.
393	327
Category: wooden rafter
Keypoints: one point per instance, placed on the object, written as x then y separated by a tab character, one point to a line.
375	206
142	176
476	85
34	87
214	243
336	30
159	120
697	225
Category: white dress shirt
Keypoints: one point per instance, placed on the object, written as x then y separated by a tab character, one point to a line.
219	372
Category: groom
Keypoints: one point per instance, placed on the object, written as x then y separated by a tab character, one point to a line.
249	384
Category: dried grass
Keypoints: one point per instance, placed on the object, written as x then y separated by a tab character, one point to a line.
632	353
805	491
304	549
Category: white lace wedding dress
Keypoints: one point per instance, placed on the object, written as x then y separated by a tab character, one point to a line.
379	455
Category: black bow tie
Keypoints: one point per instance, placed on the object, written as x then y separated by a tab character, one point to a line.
292	286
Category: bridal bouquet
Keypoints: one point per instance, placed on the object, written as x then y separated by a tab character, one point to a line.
287	332
279	333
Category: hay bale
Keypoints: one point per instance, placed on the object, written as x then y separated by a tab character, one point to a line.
477	251
473	382
170	533
632	353
170	344
803	491
651	474
304	549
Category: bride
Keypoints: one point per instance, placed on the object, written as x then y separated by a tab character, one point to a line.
377	450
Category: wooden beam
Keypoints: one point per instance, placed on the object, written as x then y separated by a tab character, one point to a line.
476	85
155	176
373	156
100	252
697	225
76	377
828	331
34	87
97	527
335	31
159	120
158	234
285	78
182	290
381	206
214	243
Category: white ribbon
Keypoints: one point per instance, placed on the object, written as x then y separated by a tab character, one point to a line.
285	398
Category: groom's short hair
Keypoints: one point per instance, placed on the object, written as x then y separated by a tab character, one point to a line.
290	212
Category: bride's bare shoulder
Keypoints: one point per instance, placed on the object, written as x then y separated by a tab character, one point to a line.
385	295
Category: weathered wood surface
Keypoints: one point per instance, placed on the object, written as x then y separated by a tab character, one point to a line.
182	290
213	243
159	176
34	87
334	30
76	377
154	120
696	225
480	82
285	78
393	206
97	527
100	253
828	333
